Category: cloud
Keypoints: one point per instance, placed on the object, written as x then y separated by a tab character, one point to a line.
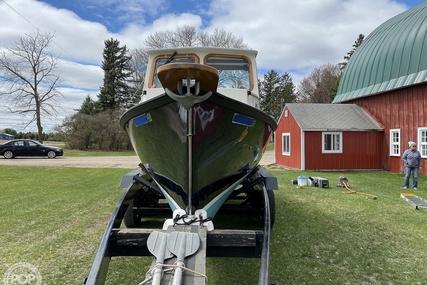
134	35
290	36
80	76
299	34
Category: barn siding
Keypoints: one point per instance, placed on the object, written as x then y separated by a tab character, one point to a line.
361	150
403	109
288	125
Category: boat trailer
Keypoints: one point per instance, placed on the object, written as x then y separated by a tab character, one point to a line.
180	248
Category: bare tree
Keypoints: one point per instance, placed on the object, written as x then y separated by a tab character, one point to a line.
158	40
94	131
138	65
222	38
185	36
29	79
321	85
204	39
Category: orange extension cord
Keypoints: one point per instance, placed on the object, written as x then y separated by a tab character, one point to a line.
349	191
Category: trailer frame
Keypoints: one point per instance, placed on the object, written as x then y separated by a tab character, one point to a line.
117	241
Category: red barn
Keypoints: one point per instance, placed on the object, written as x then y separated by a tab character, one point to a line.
328	137
387	78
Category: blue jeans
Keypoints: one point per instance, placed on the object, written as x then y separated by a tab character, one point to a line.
408	171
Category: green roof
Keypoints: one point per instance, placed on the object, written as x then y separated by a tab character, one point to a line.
393	56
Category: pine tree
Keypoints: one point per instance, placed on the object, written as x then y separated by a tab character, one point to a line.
116	93
356	44
89	107
275	91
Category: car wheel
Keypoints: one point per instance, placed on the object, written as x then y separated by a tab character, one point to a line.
51	154
8	154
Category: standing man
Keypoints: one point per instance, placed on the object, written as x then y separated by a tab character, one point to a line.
412	159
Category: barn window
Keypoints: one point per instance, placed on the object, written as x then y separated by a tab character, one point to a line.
286	143
394	142
422	141
332	142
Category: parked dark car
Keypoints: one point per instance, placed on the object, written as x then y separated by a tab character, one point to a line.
25	147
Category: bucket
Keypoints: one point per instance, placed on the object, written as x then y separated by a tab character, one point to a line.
302	180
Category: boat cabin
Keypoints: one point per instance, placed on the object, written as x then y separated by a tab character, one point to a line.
236	68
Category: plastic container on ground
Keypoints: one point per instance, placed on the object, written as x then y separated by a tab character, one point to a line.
302	180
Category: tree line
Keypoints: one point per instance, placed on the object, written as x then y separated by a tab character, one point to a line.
52	136
30	80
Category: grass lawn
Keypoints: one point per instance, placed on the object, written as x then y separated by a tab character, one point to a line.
76	152
54	219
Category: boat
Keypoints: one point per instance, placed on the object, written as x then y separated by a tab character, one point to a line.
200	135
199	131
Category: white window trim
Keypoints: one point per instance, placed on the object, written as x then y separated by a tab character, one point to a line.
323	142
422	145
392	131
283	143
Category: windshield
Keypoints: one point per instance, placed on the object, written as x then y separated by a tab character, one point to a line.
233	72
163	61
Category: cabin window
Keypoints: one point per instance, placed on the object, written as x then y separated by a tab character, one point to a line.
332	142
165	60
394	142
233	72
422	141
286	143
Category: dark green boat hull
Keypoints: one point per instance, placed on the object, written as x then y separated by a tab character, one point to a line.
228	140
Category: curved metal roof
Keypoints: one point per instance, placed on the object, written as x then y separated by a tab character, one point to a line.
393	56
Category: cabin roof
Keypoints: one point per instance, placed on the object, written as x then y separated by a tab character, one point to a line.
203	50
332	117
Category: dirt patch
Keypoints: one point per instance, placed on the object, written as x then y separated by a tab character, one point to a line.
74	161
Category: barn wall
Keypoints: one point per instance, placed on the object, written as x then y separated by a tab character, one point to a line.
361	150
288	125
403	109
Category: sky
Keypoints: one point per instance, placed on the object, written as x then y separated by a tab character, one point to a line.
293	36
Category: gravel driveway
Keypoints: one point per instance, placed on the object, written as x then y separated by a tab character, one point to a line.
95	161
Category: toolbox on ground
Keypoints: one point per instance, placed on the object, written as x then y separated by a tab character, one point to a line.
318	182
